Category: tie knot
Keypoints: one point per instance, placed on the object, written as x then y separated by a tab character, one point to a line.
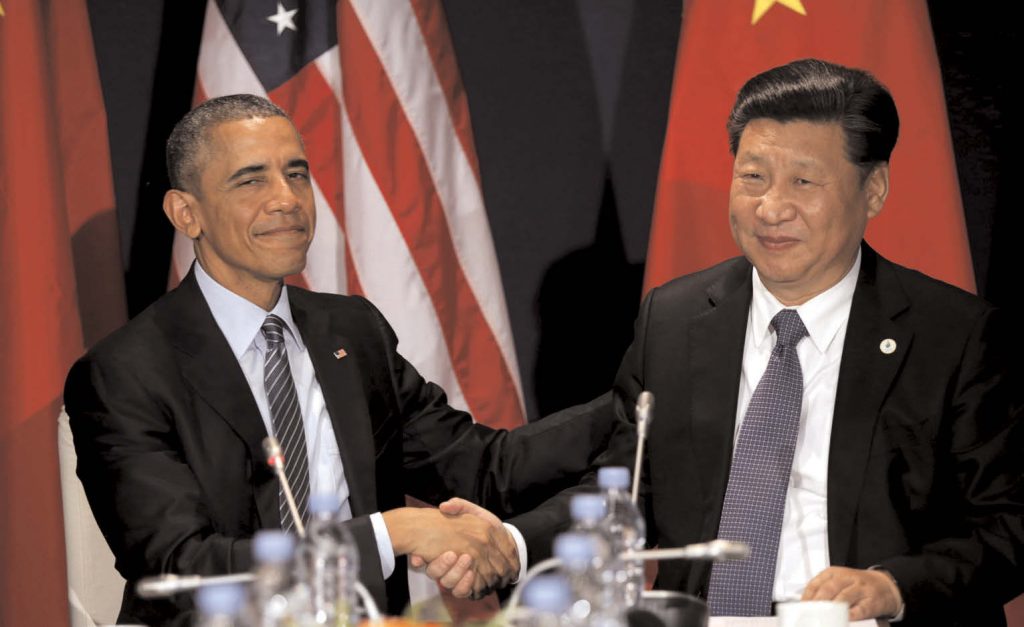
789	328
273	330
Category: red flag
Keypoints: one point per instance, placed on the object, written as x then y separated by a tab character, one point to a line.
722	44
56	207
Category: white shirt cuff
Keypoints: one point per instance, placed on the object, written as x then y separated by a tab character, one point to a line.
384	547
520	548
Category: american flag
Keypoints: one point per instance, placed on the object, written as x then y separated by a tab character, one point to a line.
374	90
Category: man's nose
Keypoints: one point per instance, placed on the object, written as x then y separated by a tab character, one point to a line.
283	196
776	206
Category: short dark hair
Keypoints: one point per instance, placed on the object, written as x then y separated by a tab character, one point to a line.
190	133
818	91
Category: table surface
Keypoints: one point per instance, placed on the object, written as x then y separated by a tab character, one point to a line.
770	621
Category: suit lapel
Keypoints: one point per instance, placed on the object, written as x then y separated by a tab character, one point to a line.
340	382
211	369
715	356
865	375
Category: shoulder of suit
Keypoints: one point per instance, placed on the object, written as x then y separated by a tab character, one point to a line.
351	304
694	288
932	297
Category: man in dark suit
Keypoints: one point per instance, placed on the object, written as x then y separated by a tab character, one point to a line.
169	412
901	486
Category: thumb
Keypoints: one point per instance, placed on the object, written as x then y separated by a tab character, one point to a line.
455	506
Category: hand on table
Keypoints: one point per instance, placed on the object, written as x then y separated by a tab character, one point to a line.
869	593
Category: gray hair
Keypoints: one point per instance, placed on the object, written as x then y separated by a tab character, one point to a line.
189	136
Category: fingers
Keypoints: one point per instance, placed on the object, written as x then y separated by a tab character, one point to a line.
440	565
455	506
465	588
454	575
869	593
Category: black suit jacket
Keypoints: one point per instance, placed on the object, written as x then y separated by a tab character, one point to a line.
925	472
168	438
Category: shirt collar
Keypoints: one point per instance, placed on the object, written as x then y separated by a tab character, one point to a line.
239	319
822	315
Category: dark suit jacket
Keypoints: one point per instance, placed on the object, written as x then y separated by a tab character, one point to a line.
925	472
168	438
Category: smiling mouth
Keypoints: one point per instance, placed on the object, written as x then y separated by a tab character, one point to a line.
283	230
776	243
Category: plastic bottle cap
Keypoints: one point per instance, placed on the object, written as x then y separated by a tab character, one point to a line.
576	550
221	599
548	593
613	477
587	507
273	546
324	503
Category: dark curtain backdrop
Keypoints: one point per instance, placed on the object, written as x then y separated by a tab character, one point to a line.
568	101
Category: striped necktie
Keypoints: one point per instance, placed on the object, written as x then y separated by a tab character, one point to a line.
286	418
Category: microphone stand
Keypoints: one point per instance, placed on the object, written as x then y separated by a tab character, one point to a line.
275	459
644	416
163	586
714	551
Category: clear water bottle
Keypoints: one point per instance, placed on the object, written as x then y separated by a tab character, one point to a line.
626	530
546	602
588	513
327	567
578	552
272	552
220	605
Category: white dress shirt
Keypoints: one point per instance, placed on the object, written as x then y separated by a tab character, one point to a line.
803	546
241	321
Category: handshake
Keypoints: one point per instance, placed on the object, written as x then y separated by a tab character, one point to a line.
461	545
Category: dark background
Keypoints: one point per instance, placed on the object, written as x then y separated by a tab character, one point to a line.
568	100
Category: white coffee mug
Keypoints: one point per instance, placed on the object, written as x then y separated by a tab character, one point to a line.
813	614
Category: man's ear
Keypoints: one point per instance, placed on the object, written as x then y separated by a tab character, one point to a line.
180	208
876	187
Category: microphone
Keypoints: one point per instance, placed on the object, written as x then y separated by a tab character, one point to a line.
715	551
275	458
644	416
163	586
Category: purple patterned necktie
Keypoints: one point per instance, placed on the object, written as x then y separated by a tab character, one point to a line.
762	462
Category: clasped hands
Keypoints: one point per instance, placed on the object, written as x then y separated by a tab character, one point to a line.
461	545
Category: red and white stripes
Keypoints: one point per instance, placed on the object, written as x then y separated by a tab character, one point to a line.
400	213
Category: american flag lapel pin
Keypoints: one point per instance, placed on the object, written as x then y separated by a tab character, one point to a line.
341	352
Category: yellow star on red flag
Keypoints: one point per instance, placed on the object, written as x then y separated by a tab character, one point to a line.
761	7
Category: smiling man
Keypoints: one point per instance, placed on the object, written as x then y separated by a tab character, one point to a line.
854	421
169	413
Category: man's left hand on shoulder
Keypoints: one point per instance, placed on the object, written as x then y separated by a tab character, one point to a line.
869	593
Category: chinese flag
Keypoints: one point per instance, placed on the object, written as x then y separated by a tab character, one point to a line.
722	44
60	285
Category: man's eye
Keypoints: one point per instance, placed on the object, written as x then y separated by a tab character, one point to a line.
751	176
302	174
801	182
